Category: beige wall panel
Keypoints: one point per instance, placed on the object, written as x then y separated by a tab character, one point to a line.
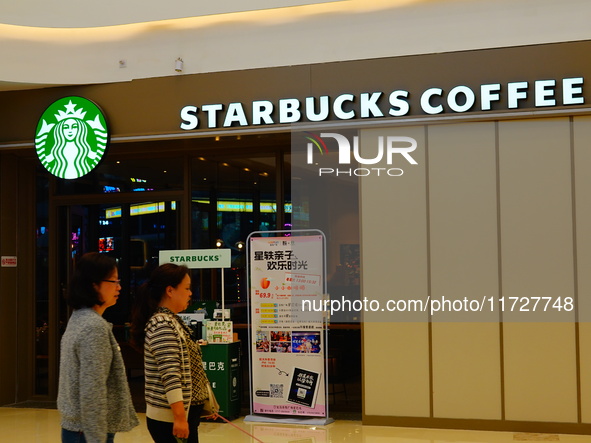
537	261
540	373
536	211
466	371
463	216
394	226
582	156
464	264
394	256
396	369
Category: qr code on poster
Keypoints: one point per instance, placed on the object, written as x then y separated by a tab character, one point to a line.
276	391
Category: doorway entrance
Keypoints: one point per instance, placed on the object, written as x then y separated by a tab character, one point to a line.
150	196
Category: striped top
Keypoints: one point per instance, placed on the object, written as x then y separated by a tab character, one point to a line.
167	366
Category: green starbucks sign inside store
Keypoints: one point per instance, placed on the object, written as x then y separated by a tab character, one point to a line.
71	138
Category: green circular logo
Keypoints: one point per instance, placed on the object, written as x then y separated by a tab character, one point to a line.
71	137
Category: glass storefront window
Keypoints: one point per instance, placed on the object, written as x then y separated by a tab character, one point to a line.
128	175
230	199
132	234
232	187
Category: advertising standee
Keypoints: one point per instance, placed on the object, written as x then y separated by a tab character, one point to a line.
288	345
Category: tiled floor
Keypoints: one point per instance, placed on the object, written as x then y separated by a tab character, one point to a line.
42	426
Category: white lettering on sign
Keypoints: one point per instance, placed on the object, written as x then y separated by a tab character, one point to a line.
235	114
545	93
516	91
426	103
346	106
338	107
289	110
189	117
488	94
261	112
400	106
323	108
9	261
572	91
212	114
369	105
454	102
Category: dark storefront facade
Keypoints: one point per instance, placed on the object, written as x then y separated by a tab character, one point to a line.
198	158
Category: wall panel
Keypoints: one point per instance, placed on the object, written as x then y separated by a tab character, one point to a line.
464	265
394	247
537	260
495	232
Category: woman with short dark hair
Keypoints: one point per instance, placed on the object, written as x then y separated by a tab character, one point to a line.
94	398
176	383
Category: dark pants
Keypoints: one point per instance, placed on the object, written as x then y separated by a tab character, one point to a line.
78	437
161	431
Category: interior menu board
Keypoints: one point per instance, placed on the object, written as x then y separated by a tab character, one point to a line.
288	330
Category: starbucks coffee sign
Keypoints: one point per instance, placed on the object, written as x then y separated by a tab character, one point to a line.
546	93
198	258
71	138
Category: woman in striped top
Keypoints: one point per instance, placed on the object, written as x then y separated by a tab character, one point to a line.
176	384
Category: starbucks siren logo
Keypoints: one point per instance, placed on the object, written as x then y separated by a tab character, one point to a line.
71	137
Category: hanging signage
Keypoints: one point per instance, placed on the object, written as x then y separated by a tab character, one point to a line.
204	259
71	138
197	258
288	344
545	93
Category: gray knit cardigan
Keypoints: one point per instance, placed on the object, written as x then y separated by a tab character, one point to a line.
93	394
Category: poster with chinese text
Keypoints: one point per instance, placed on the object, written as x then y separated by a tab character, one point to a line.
288	337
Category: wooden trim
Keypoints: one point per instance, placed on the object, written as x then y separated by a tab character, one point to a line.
53	295
479	425
9	277
26	248
429	271
499	267
575	270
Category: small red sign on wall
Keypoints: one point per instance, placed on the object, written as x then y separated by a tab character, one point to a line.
9	261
